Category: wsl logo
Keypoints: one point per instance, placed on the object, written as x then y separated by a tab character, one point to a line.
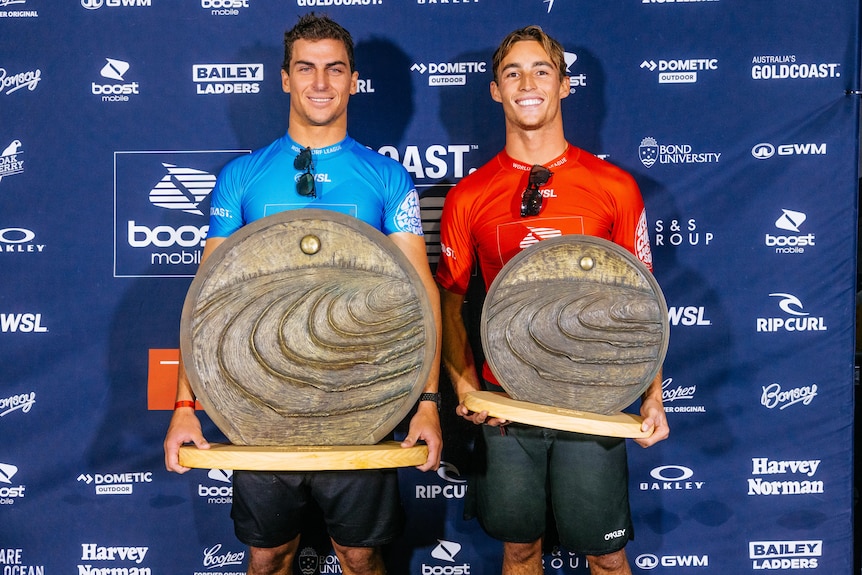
790	221
799	320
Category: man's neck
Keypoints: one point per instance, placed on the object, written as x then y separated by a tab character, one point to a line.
316	137
535	146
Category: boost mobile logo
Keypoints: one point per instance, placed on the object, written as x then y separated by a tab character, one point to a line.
115	70
790	220
182	189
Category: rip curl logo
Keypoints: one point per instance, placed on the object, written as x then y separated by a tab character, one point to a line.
409	216
10	83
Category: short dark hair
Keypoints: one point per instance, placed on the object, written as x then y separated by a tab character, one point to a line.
535	33
313	27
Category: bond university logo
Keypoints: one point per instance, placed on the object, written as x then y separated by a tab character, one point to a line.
308	560
182	189
10	162
648	152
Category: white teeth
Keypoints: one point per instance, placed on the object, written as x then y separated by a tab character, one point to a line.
533	102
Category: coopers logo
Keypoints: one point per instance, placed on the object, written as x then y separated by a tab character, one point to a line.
16	13
227	78
774	555
683	394
162	207
449	73
799	320
787	68
680	71
215	558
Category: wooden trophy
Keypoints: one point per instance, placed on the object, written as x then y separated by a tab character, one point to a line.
307	337
574	328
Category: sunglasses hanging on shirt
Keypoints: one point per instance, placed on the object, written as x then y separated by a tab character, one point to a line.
531	199
305	181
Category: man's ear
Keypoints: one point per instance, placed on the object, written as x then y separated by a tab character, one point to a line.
495	92
285	81
565	87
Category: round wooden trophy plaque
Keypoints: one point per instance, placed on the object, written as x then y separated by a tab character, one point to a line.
576	323
307	328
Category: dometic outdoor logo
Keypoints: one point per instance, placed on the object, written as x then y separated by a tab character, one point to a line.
227	78
788	67
10	162
784	555
162	207
448	73
796	320
120	90
650	152
680	233
783	486
96	4
680	71
115	483
12	82
794	242
671	478
453	487
9	492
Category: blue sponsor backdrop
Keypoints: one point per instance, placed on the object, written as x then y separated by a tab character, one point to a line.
115	115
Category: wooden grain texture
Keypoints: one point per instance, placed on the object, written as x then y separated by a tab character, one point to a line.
385	455
295	342
575	322
499	405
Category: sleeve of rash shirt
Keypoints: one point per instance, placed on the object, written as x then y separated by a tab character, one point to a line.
456	247
402	211
225	205
631	230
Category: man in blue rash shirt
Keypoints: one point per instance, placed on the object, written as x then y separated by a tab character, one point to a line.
316	164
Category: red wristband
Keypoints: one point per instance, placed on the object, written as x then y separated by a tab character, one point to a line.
184	403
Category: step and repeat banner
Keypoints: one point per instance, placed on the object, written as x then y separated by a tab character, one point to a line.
734	118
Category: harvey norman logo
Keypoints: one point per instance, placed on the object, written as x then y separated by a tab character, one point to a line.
785	554
765	466
449	73
227	78
680	71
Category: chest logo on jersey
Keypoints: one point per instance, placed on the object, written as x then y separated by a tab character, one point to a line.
320	178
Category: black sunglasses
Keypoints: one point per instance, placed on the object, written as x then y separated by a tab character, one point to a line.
531	199
305	181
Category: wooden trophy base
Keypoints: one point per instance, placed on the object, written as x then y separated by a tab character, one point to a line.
502	406
383	455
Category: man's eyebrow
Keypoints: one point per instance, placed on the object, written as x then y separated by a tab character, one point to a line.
314	65
535	64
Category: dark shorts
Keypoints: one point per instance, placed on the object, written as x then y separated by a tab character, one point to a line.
361	508
582	479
